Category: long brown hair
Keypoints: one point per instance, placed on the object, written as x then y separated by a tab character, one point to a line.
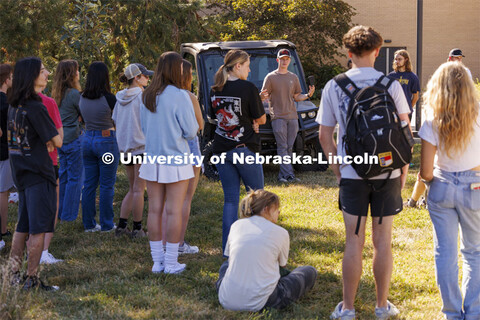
186	75
255	201
452	100
406	56
65	78
167	72
231	59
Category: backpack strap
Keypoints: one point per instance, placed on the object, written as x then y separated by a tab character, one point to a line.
384	82
347	85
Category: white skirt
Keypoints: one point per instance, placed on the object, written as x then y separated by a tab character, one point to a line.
163	173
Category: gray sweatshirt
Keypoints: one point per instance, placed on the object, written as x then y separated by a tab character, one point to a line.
126	116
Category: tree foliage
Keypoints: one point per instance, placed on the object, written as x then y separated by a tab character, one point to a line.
117	32
315	26
120	32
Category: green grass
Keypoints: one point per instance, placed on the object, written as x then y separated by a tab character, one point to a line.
108	278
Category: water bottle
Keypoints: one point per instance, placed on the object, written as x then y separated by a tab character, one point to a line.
407	133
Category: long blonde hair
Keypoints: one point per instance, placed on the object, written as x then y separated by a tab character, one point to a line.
452	100
231	59
255	201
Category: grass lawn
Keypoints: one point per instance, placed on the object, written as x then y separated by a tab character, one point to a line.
104	277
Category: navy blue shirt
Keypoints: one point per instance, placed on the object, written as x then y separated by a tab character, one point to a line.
409	82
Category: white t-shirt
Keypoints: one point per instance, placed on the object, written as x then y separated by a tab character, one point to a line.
465	160
334	105
256	249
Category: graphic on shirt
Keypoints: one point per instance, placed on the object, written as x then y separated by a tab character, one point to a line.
227	111
17	134
403	81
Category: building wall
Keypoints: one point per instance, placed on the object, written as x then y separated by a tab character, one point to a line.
446	25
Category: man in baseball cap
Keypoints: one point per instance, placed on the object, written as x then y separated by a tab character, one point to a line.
282	88
457	55
283	53
136	69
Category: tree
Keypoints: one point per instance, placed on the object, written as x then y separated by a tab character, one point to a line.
27	28
117	32
316	27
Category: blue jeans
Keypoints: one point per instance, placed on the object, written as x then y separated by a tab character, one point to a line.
452	203
97	172
230	175
71	179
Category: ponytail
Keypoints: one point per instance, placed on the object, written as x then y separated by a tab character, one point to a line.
231	59
256	201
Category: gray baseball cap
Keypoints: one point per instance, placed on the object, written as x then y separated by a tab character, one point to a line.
136	69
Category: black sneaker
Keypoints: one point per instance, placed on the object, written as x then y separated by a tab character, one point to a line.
33	282
7	234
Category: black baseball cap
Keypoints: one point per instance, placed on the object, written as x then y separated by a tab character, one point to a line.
456	53
283	53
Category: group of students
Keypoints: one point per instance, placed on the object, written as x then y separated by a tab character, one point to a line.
83	128
164	119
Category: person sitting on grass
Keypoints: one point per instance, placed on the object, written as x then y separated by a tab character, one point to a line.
253	278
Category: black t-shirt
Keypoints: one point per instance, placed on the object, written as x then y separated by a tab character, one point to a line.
235	108
29	129
3	124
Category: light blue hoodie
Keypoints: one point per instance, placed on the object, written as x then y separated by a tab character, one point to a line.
168	129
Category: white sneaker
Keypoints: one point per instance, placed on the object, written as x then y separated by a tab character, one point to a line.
2	244
186	248
13	197
385	313
94	229
158	267
175	269
346	314
48	258
113	228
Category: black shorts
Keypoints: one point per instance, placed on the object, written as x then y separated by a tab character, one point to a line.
356	195
36	208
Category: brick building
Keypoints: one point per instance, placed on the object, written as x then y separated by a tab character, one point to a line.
446	25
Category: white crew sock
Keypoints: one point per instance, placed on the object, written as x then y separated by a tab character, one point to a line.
158	256
171	254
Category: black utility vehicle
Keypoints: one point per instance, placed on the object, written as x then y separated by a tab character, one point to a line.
206	58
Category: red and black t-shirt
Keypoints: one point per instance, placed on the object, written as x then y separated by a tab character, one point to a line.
235	108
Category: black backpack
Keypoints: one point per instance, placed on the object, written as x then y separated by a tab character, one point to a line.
373	127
